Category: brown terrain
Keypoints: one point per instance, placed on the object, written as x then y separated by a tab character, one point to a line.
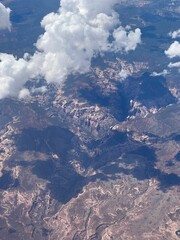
96	160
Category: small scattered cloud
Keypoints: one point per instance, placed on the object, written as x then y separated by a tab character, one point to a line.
163	73
174	65
4	17
24	93
123	74
42	89
126	40
175	34
174	50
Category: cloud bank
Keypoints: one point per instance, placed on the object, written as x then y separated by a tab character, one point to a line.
78	32
4	17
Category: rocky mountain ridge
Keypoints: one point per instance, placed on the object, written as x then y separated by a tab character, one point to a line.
94	161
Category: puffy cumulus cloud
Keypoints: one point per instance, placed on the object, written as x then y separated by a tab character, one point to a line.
14	73
175	34
173	50
126	40
79	31
4	17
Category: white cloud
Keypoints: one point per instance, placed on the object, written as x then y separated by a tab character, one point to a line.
4	17
126	40
24	93
175	34
79	31
123	74
163	73
14	73
42	89
76	34
173	50
174	65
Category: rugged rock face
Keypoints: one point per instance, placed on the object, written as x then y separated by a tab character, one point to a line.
97	160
